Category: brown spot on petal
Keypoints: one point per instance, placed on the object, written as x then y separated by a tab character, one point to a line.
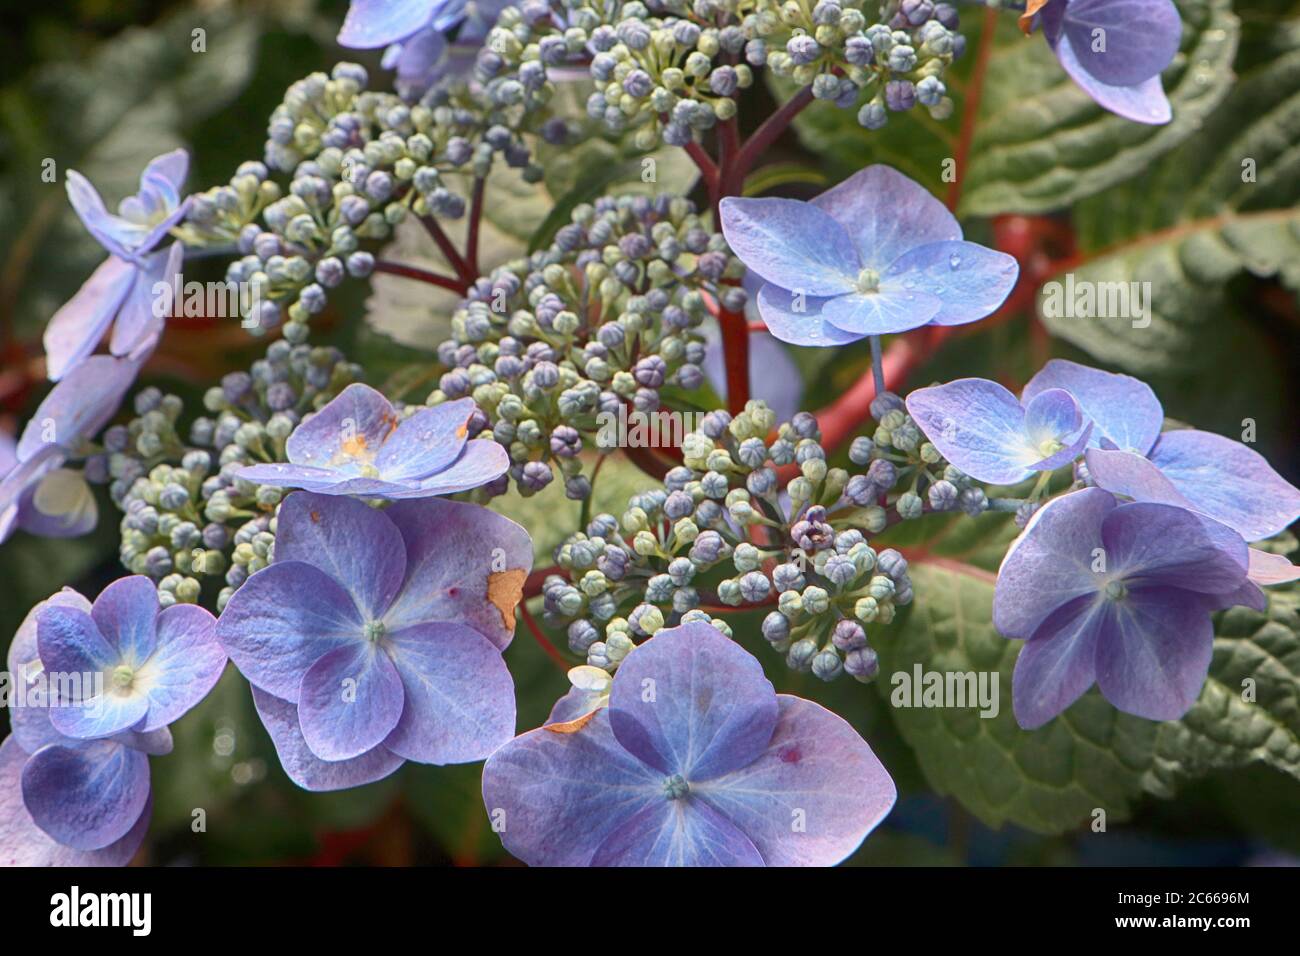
504	590
790	755
1027	18
463	430
315	517
571	726
355	446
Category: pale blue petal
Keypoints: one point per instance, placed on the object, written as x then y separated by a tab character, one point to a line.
792	244
126	613
970	281
349	701
812	796
691	701
1168	545
677	833
280	718
370	24
358	546
80	324
80	405
86	797
427	442
802	326
460	698
887	214
892	308
979	426
1123	409
187	664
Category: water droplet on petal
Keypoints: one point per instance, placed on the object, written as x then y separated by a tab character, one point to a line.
954	261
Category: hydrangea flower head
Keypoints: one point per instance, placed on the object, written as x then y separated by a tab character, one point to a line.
1129	455
1119	595
875	254
37	493
74	775
985	431
119	294
696	761
375	637
1115	50
359	444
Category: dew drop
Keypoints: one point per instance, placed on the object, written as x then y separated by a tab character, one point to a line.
954	261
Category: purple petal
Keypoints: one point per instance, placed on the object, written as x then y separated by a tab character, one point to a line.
86	797
970	280
555	797
1268	568
282	620
165	175
1167	545
419	62
1129	474
17	488
1052	414
346	434
23	843
72	647
126	613
1228	481
321	481
1144	102
464	564
357	546
792	244
427	442
890	309
1139	37
1058	664
1154	651
690	701
139	325
887	214
79	325
460	698
349	701
114	234
185	667
30	720
804	326
979	426
280	718
78	406
1123	409
58	504
814	793
375	23
481	461
677	833
1051	563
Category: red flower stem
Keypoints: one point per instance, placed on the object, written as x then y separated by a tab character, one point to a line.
475	220
454	258
707	167
541	638
422	275
770	131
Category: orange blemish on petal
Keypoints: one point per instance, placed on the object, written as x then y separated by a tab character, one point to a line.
1027	18
571	726
504	591
355	446
463	430
315	517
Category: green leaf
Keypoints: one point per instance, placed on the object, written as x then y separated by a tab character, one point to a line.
1041	143
1193	222
1091	757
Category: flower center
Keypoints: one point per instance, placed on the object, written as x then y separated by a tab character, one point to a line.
123	677
1116	590
676	787
868	281
374	630
1050	447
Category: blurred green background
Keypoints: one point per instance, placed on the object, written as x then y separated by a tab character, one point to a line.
103	85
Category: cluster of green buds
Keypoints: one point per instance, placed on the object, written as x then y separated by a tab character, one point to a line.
893	64
360	161
187	518
554	347
926	482
726	532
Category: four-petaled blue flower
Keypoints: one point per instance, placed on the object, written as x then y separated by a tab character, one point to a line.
985	431
98	686
375	637
416	34
696	761
1115	50
37	493
358	444
1128	455
875	254
120	294
1120	595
